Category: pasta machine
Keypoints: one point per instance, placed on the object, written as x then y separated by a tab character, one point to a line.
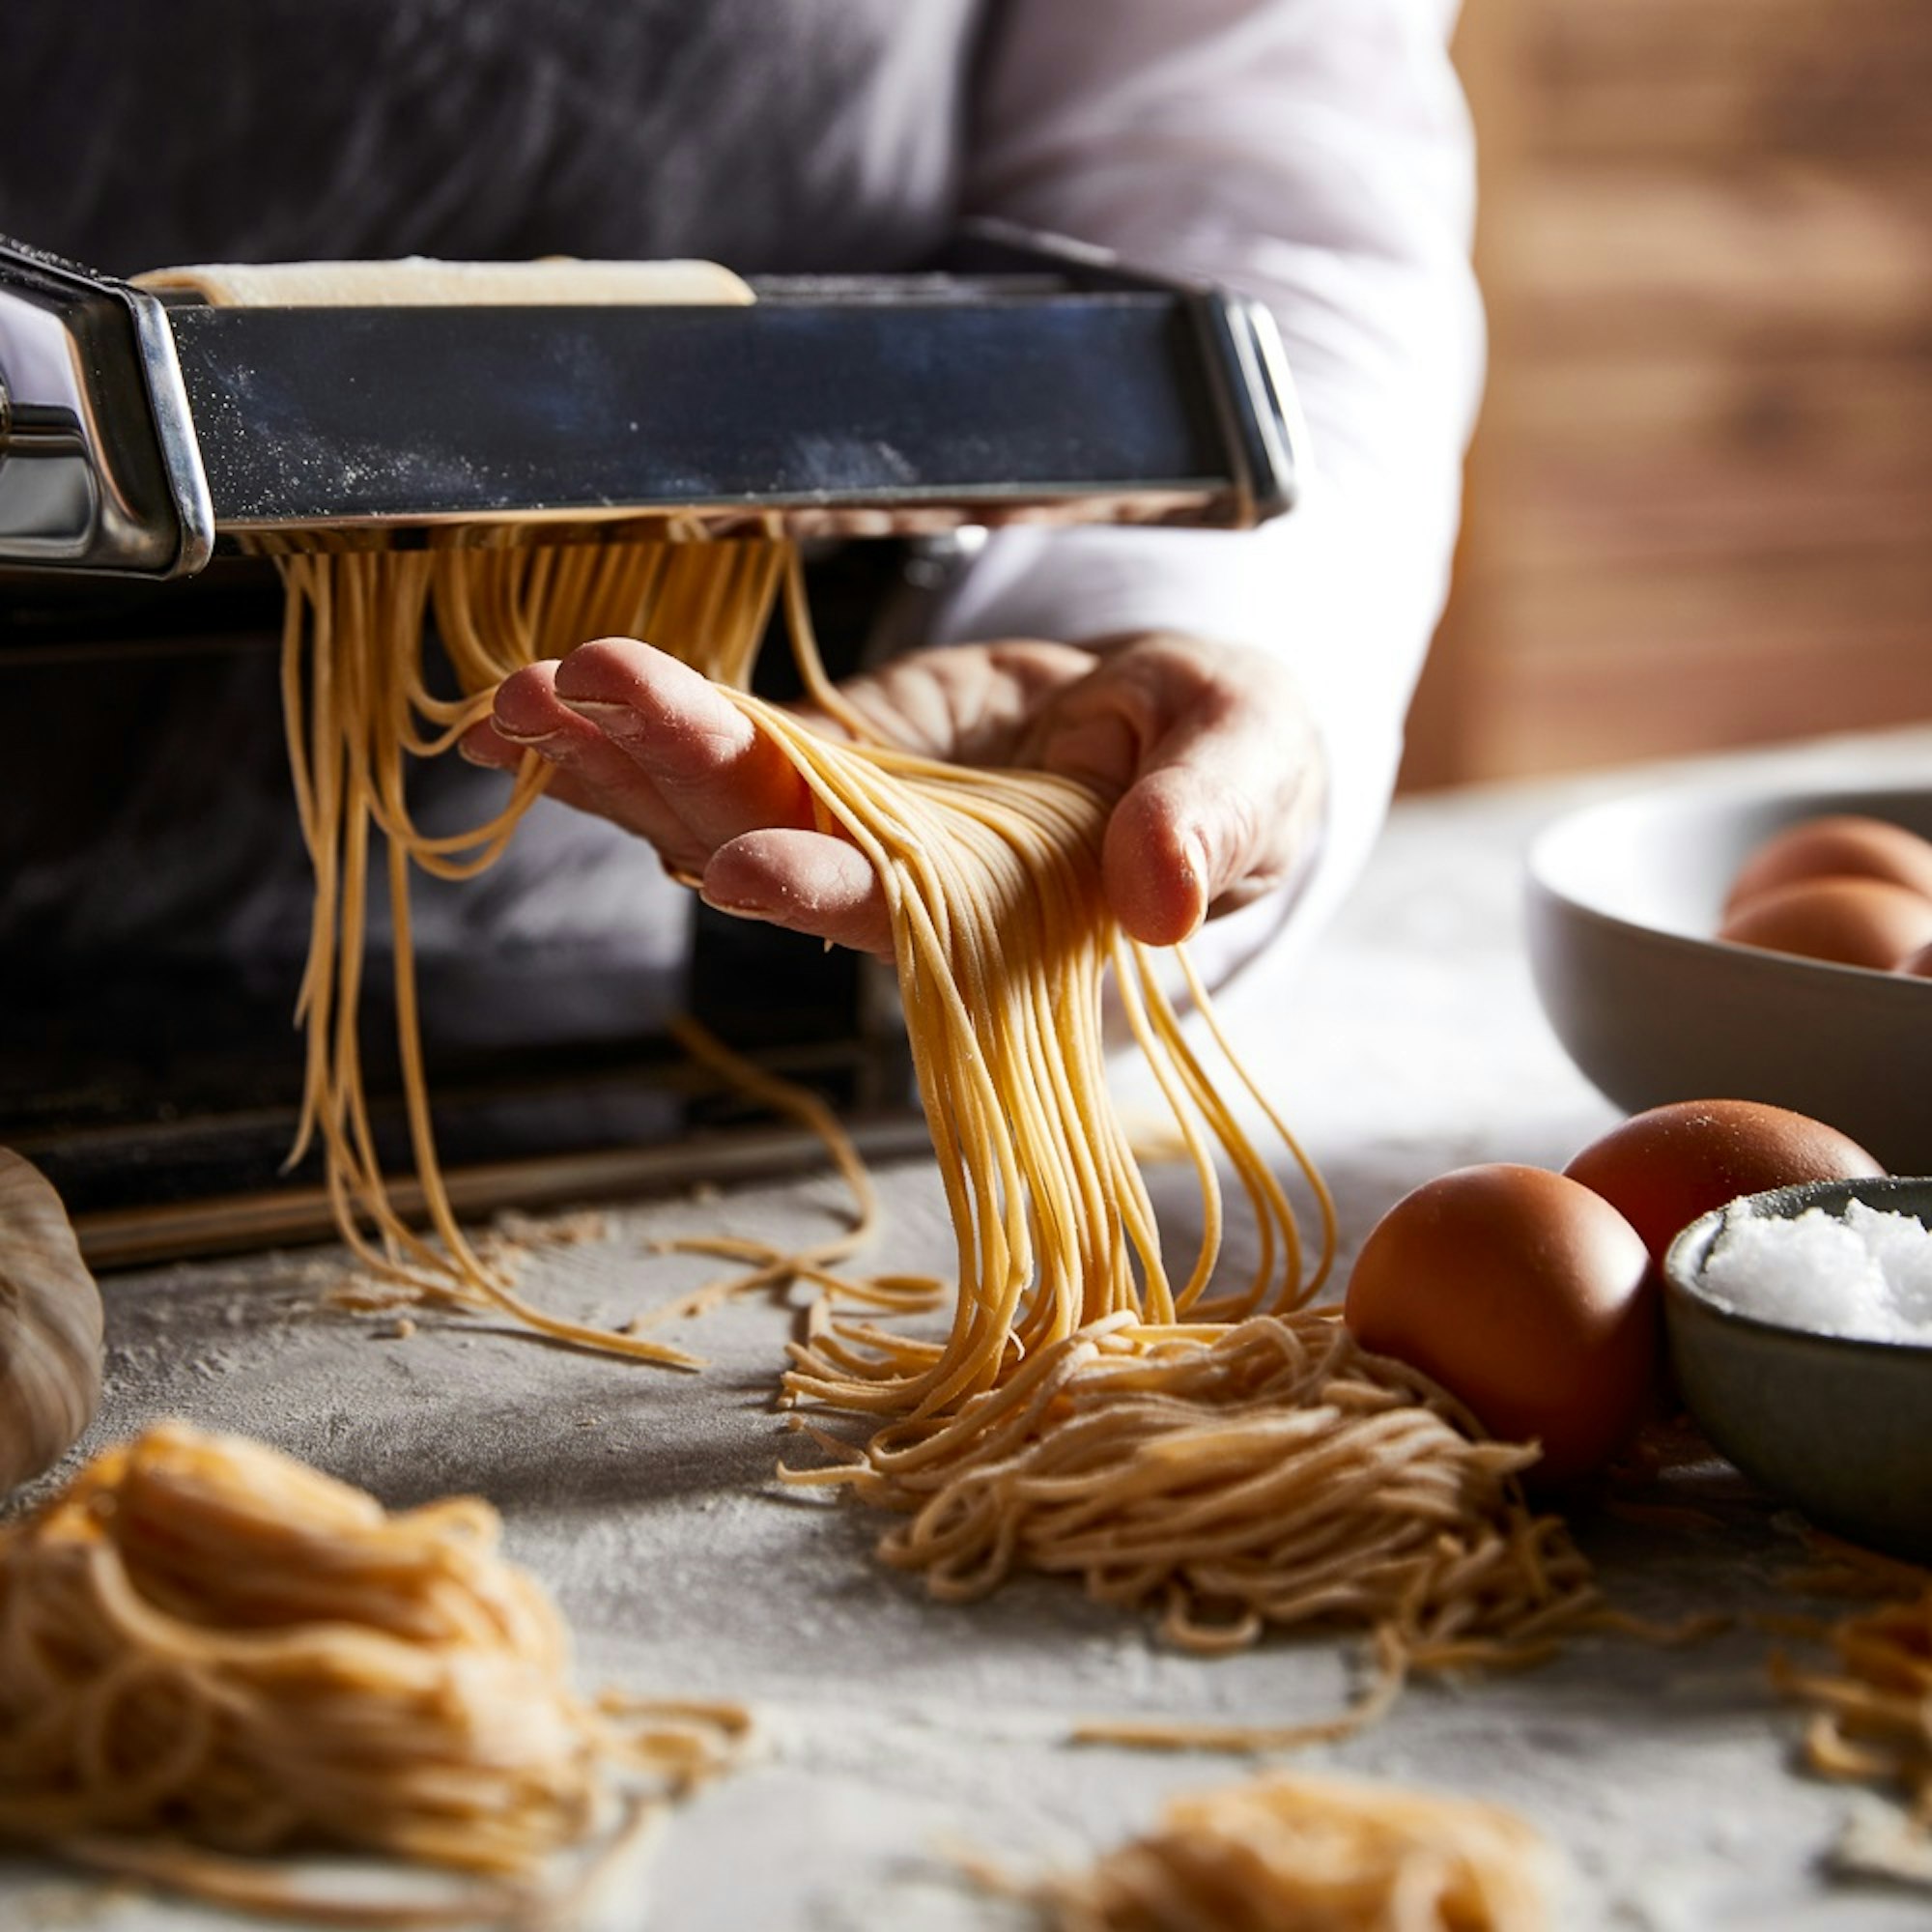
151	443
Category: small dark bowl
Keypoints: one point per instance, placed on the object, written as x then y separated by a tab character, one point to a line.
1842	1429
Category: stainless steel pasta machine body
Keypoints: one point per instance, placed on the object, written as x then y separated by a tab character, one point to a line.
1022	379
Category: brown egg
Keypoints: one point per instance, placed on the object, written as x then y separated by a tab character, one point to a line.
1527	1296
1852	921
1919	964
1663	1169
1843	846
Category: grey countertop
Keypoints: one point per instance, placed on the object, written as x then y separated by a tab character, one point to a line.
895	1728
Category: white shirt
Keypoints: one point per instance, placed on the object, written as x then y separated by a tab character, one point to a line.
1315	154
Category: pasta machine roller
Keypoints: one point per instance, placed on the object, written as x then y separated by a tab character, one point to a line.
1022	379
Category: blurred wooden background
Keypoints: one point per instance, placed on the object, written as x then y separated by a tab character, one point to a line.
1700	507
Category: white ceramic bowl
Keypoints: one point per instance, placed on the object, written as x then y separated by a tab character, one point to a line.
1622	900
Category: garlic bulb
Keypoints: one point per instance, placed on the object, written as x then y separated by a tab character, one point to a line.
50	1325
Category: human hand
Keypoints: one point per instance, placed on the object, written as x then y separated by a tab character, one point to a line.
1207	748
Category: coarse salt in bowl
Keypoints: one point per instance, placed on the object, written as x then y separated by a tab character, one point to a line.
1800	1324
1866	1273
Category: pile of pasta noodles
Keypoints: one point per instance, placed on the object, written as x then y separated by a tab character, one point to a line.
1327	1854
213	1652
1266	1474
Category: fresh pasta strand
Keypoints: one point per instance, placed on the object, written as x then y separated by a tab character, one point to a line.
1002	936
1872	1708
358	705
211	1653
1332	1853
773	1268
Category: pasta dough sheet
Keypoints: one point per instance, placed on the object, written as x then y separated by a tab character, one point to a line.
417	281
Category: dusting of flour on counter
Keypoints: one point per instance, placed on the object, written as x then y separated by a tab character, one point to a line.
1867	1275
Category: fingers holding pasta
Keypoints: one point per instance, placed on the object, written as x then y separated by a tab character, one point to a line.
648	742
1206	748
807	881
640	738
1218	767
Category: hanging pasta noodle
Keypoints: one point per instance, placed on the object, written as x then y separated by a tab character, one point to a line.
1280	1853
771	1267
357	706
209	1652
1001	936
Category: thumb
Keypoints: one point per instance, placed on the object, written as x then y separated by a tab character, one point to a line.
1219	815
1165	854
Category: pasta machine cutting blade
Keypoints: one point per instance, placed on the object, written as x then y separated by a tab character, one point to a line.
1024	380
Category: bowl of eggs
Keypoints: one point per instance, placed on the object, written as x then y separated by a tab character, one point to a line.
1774	947
1800	1326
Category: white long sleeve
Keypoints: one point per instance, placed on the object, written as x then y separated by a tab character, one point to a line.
1315	154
